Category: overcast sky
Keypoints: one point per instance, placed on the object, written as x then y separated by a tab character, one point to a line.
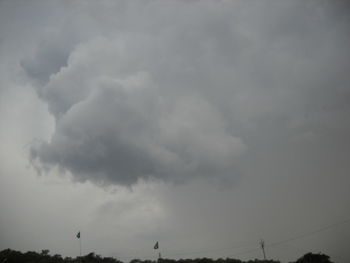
204	125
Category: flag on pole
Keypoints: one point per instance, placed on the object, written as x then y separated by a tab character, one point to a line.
156	246
78	235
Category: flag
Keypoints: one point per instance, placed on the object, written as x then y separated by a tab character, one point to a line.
156	246
78	235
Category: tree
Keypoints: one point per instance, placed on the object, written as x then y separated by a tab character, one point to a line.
314	258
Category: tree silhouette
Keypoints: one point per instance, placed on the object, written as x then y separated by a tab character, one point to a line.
314	258
12	256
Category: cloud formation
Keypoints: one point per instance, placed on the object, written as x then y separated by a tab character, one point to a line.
181	90
114	125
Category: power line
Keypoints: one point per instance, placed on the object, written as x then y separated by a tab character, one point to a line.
263	245
308	250
284	241
310	233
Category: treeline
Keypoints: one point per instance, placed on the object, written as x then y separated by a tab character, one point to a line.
12	256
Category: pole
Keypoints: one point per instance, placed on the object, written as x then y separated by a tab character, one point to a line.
79	237
262	245
156	246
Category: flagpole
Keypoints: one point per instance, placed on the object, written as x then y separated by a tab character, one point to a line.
81	260
79	237
156	246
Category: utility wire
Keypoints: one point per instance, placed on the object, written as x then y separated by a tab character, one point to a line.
284	241
345	221
311	233
308	250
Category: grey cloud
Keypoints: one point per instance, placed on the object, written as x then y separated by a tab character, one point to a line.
176	95
124	131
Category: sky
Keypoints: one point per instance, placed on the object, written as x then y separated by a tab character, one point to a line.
204	125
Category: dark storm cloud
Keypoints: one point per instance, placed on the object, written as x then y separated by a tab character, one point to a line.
123	132
178	90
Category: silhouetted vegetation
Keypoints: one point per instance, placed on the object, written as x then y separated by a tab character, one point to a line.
314	258
12	256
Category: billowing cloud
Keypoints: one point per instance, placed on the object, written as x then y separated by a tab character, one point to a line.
181	90
115	125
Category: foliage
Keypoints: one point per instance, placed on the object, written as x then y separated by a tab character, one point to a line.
12	256
314	258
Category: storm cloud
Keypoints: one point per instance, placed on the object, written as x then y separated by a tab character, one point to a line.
179	90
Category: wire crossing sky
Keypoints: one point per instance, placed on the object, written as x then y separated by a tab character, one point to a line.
199	124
